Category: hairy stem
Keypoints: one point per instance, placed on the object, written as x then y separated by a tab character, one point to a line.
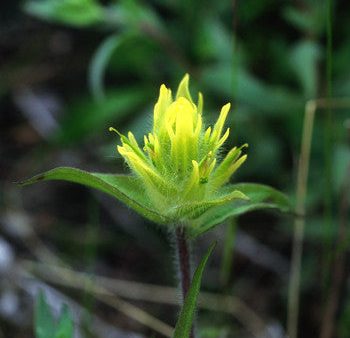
183	252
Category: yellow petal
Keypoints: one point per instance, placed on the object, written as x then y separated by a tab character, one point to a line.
194	178
220	124
200	103
182	90
164	101
223	139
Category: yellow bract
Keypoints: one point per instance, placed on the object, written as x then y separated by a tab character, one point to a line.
178	162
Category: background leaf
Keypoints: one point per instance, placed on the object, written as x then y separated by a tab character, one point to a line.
100	61
304	61
44	321
271	100
87	116
73	12
65	325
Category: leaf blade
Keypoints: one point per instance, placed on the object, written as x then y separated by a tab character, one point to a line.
184	323
260	197
76	13
44	321
65	325
99	63
125	188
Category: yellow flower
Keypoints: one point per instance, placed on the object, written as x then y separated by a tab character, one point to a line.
178	164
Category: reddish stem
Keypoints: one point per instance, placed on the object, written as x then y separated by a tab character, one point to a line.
183	252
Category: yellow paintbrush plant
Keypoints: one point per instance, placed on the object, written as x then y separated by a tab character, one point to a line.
180	179
178	163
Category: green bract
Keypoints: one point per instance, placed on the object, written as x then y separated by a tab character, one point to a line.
177	177
178	163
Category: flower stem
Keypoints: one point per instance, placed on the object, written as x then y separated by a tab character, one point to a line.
184	259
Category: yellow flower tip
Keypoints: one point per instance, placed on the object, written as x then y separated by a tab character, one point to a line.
200	103
227	106
241	160
183	90
224	112
186	79
121	150
163	91
163	102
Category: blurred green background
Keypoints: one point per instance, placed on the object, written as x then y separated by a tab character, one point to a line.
69	69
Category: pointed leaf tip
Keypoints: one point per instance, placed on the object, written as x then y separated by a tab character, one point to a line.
122	187
260	197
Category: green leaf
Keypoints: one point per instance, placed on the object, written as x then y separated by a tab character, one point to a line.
88	116
126	189
260	197
304	61
44	321
249	90
77	13
65	325
184	323
137	16
310	21
228	251
100	61
195	209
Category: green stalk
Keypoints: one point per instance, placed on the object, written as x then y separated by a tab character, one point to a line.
299	224
328	150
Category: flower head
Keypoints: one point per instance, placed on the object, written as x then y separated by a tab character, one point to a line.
178	163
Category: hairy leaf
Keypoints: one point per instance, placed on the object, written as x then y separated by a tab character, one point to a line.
124	188
184	323
260	197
